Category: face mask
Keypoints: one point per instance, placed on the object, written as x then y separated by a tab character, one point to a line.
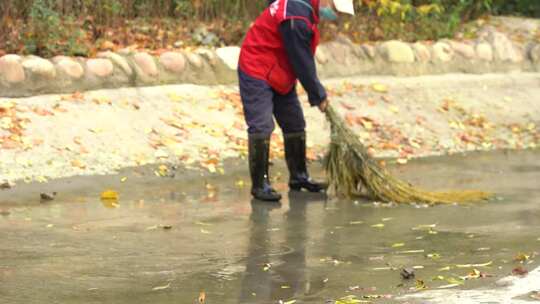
328	13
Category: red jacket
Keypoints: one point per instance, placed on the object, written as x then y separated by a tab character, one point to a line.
263	54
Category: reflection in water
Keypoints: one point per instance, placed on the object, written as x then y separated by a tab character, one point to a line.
257	279
286	277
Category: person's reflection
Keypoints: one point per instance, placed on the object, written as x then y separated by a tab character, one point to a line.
292	269
285	279
256	284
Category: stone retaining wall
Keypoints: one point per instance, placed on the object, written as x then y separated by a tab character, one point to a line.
492	51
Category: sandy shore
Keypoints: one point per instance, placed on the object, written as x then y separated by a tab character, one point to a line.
99	132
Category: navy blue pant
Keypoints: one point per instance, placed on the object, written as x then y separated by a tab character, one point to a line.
261	104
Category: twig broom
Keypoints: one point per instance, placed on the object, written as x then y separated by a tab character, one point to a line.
349	168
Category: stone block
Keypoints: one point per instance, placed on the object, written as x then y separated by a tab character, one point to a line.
230	56
463	49
443	52
100	67
195	60
421	52
119	60
40	67
534	53
484	51
146	64
369	50
503	48
11	69
72	68
397	51
173	61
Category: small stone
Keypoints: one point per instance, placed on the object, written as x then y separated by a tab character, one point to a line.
195	60
173	61
146	63
520	271
463	49
72	68
230	56
407	273
39	66
369	50
421	52
484	51
11	69
5	185
118	60
100	67
47	196
397	51
443	52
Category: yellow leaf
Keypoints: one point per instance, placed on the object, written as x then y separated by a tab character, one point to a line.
397	245
380	88
240	183
161	287
381	225
109	195
402	161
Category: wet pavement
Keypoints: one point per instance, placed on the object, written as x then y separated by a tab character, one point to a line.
169	239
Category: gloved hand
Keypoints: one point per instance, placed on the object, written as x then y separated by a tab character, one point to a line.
323	105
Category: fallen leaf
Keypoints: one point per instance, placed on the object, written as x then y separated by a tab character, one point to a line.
202	297
420	284
535	295
520	271
349	300
78	164
433	256
379	88
474	265
109	195
161	287
521	257
402	161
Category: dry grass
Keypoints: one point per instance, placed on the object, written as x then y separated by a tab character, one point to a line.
350	168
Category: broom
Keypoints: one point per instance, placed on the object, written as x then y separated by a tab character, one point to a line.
350	168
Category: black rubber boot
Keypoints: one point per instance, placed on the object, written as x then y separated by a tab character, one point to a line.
295	154
259	150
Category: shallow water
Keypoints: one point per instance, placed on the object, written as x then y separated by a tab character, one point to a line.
76	249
